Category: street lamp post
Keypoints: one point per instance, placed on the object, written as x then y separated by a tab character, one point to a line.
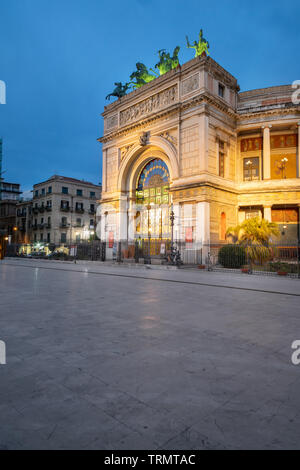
282	166
172	218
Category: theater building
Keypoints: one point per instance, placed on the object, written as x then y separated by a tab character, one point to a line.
190	142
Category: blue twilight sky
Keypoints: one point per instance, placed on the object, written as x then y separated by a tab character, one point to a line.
60	58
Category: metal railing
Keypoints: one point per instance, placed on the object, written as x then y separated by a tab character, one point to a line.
272	259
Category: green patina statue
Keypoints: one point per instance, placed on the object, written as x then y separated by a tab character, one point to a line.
141	76
119	91
166	62
200	47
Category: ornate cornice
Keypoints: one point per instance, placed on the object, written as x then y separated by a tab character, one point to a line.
268	112
203	98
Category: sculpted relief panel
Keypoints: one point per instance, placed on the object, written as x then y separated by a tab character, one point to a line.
190	84
149	105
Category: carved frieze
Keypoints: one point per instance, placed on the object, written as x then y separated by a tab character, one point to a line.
190	84
153	103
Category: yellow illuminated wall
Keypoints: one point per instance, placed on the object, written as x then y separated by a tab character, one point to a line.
290	170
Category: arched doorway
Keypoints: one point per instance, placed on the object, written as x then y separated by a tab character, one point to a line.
152	220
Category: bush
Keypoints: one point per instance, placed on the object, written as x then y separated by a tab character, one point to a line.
232	256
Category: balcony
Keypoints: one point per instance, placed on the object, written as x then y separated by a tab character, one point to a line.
48	226
64	225
48	208
79	211
65	208
35	227
92	211
42	209
35	210
41	226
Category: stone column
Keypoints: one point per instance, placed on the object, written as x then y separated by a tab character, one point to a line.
203	142
131	221
268	213
122	220
203	228
102	230
266	152
298	154
104	171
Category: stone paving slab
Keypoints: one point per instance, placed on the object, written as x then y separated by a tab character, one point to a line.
106	357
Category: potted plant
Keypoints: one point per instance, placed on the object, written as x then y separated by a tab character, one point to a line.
282	269
245	269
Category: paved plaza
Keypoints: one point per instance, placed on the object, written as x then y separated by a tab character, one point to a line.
107	357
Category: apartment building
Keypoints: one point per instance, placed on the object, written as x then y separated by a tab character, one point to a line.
64	210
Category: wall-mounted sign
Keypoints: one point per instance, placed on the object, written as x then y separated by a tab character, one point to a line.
110	239
189	234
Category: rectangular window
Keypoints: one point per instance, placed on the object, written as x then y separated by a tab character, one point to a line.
48	237
49	189
92	208
64	204
42	237
92	194
36	193
91	222
221	90
65	190
49	203
79	206
79	192
43	191
251	169
78	222
63	238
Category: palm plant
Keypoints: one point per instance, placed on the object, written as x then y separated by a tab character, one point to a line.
254	233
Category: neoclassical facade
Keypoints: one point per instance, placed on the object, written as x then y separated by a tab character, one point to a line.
190	142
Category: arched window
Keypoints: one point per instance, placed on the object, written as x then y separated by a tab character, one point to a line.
153	201
155	173
153	183
223	226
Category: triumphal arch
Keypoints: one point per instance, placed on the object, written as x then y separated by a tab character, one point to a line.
189	143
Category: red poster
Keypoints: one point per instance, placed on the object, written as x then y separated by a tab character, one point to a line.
189	234
110	239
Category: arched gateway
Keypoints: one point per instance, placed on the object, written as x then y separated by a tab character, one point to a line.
152	203
186	140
